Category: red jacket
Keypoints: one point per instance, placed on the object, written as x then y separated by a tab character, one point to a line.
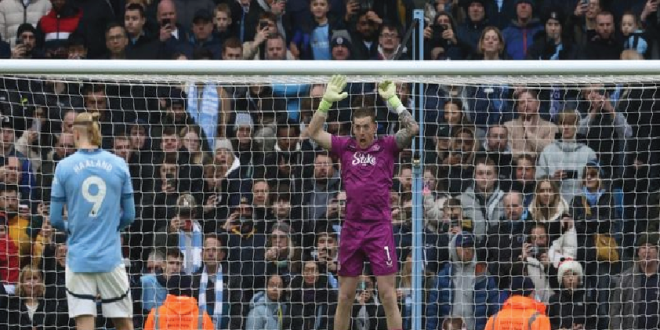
9	258
54	28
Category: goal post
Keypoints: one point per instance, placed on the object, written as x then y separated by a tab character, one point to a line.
275	100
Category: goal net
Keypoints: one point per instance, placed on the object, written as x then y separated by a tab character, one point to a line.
529	184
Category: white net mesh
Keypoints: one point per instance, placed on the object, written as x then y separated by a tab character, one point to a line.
571	173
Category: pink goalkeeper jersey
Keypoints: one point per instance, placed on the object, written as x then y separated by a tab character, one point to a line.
367	177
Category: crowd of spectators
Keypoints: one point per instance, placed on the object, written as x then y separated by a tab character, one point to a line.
239	210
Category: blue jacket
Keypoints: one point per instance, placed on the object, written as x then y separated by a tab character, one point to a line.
440	300
154	291
265	314
519	39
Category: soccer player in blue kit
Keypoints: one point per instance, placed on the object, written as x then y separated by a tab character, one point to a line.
95	185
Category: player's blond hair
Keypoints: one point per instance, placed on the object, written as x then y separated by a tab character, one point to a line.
88	122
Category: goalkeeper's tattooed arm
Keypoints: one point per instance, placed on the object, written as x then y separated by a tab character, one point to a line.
321	137
409	129
333	93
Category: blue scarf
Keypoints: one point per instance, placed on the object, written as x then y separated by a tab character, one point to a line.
205	113
218	307
592	198
195	252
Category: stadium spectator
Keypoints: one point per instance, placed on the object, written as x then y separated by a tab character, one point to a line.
634	36
54	27
19	223
463	288
185	232
266	27
519	35
29	308
30	142
565	159
594	213
53	264
312	297
15	13
213	284
179	310
222	22
191	139
505	240
202	33
261	205
630	307
232	49
20	173
604	128
469	32
572	306
389	42
172	33
63	147
365	36
367	312
458	166
555	43
441	42
491	45
603	45
245	17
154	286
321	188
341	47
482	202
141	44
548	205
529	133
9	255
116	41
497	147
313	42
275	49
536	262
245	253
76	47
268	306
524	178
26	43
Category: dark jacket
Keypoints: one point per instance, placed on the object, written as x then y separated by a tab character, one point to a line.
231	297
45	317
566	308
375	314
312	307
519	38
545	49
599	49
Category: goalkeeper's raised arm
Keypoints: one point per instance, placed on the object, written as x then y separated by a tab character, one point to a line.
333	93
408	126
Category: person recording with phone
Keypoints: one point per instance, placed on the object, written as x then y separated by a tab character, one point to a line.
183	232
441	40
604	128
26	43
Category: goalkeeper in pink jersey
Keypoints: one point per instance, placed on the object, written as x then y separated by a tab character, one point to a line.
367	165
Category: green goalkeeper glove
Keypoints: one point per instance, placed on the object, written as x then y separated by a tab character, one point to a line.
333	92
387	91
